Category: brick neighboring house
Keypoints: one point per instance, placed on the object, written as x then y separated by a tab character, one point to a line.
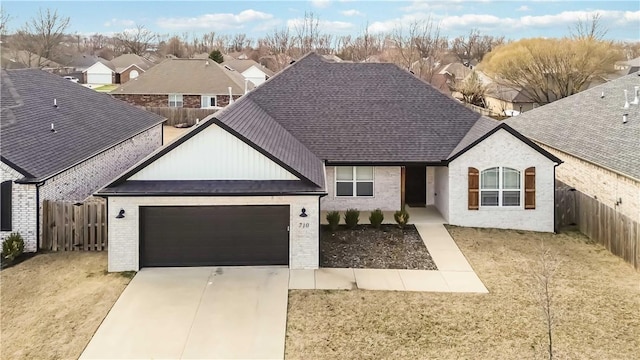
601	152
184	83
96	138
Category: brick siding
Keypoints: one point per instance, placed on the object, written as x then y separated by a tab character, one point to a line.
23	208
604	185
386	187
189	101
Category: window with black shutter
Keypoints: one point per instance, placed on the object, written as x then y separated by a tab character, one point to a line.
5	206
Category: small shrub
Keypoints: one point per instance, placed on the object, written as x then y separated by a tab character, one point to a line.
333	218
351	218
401	217
12	246
376	218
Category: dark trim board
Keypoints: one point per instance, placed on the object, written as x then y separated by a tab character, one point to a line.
386	163
217	235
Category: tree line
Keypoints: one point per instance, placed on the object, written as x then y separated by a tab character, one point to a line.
549	68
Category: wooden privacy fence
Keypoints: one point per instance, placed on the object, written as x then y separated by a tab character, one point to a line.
603	224
69	227
177	116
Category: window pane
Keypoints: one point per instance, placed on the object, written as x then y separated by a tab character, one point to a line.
344	173
489	179
364	189
489	198
510	178
364	173
344	189
511	198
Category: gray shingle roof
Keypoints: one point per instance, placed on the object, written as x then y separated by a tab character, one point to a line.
211	187
86	122
124	61
481	127
590	127
262	130
186	76
242	65
360	112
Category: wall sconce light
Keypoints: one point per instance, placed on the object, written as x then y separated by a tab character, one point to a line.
120	214
303	213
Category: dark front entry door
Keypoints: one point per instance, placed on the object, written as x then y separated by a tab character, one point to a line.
415	185
214	235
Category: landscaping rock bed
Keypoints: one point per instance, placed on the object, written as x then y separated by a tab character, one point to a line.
365	247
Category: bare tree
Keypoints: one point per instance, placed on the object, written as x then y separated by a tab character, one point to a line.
5	18
307	34
419	47
238	42
474	46
138	40
589	29
472	89
542	272
43	33
280	44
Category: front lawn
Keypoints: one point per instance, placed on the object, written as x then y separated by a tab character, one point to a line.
597	297
52	304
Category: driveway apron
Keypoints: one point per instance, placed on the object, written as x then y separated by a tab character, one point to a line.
197	313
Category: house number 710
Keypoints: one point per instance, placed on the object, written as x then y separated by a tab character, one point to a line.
303	225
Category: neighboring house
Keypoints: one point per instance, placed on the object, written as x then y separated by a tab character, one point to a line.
184	83
79	63
456	70
250	70
129	66
102	72
20	59
322	136
601	152
61	141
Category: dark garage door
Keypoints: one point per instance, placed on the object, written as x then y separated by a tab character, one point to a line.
214	235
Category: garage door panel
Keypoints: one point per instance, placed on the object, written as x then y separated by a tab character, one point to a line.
214	235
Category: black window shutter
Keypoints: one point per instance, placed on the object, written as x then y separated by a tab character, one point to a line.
5	206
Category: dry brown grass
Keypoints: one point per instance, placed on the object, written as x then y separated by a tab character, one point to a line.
53	303
598	298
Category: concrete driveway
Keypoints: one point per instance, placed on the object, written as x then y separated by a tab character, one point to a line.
197	313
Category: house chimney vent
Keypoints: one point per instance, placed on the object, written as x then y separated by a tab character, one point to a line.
624	118
55	103
53	128
206	63
231	101
626	100
602	95
636	91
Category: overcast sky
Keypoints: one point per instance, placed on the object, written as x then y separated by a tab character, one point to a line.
512	19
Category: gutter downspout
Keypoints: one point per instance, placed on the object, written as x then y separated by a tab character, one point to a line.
38	240
555	228
231	101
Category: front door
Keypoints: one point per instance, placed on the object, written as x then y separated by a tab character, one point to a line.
415	185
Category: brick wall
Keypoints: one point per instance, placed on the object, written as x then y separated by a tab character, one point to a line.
386	188
124	233
126	75
189	101
599	183
82	180
23	208
502	149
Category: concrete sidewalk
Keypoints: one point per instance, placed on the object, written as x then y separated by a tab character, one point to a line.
454	273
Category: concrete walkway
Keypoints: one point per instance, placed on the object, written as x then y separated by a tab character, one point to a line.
197	313
454	273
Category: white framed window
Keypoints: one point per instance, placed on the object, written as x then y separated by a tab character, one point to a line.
354	181
175	100
500	186
208	101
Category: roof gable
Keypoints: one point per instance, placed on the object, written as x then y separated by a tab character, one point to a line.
517	135
213	154
86	122
99	67
589	126
275	164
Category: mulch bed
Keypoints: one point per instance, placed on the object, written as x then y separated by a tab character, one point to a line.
365	247
5	263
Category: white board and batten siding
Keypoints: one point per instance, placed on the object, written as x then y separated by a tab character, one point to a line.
255	75
501	149
213	154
